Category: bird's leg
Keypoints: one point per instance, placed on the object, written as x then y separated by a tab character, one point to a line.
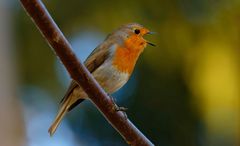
117	108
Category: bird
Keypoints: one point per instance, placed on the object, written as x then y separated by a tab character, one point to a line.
111	63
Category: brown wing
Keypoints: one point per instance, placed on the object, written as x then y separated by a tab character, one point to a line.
94	60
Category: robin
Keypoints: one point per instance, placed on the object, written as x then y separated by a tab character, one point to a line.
111	64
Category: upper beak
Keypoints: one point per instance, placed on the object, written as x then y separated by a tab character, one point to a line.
151	32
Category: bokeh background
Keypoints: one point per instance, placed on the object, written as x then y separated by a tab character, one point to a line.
184	92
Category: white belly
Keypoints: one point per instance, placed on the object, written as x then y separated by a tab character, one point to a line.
109	78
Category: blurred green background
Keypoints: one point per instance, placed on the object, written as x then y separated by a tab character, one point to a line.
184	92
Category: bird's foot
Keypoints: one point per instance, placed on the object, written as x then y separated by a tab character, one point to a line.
116	108
122	109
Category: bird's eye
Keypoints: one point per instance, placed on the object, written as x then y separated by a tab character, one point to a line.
136	31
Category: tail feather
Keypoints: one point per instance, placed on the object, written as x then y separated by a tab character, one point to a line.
63	110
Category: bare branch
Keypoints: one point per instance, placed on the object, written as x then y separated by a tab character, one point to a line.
81	75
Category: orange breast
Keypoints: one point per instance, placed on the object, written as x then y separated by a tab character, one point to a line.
125	57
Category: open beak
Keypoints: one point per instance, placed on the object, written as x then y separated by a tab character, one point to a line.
150	32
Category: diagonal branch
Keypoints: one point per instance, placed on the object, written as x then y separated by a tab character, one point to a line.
39	14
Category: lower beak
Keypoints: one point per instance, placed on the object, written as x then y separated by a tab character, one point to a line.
151	44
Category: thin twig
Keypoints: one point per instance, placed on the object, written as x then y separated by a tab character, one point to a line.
37	11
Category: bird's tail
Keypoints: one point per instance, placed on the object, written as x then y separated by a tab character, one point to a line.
63	110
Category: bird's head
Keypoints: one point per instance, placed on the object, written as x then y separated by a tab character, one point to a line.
133	34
